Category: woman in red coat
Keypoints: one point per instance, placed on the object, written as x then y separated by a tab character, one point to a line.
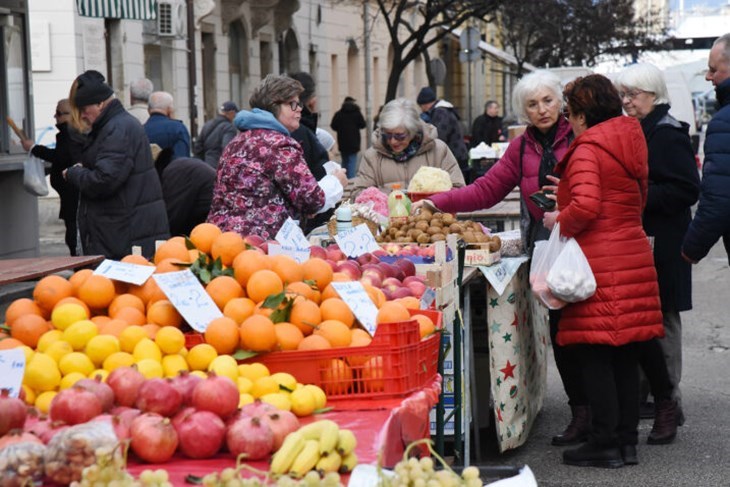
601	197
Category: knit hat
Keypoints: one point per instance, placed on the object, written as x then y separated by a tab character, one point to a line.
426	95
229	106
91	88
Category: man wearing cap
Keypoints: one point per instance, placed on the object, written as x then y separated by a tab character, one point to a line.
216	134
120	202
442	115
162	129
347	122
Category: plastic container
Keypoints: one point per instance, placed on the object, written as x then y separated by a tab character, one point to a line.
343	215
399	206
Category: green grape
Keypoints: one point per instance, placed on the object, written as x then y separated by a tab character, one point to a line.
228	474
210	480
161	476
426	464
433	483
331	479
477	482
147	477
286	481
311	479
234	482
470	473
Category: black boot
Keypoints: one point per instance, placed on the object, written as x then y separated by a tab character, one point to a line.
590	455
628	454
665	423
578	428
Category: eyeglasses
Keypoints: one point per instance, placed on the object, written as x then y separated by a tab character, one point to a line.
398	137
59	114
631	95
293	105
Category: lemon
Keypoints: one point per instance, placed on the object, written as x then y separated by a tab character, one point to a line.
253	371
42	373
303	402
319	395
147	349
170	339
244	399
76	362
150	368
100	347
118	359
101	373
29	394
263	386
280	400
67	314
244	385
172	364
43	401
28	352
199	373
47	338
58	349
79	334
129	337
183	352
70	379
200	356
225	366
286	380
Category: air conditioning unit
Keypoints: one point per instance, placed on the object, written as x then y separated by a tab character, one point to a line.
171	18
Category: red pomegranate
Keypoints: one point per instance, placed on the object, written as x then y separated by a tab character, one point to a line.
125	382
158	396
216	394
201	433
154	440
250	436
13	412
74	406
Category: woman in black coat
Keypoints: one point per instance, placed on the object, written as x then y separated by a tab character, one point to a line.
674	186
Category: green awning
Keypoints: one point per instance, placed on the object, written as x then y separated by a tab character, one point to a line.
118	9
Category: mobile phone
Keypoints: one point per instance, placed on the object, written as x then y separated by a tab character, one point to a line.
542	201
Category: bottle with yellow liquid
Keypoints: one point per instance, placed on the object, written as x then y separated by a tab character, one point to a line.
399	206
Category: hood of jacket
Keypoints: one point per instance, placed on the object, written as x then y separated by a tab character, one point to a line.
722	93
258	119
430	134
349	107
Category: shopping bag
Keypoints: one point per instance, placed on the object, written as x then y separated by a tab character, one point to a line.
34	176
571	278
544	255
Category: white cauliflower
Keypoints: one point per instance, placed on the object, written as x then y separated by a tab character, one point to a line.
429	180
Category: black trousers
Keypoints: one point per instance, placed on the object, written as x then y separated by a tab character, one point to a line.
654	365
611	381
70	236
567	361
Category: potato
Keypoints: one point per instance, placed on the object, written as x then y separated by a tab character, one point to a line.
422	225
455	228
423	238
436	237
433	230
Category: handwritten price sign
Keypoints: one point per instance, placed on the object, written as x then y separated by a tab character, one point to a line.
353	293
125	272
300	255
290	235
12	367
188	297
357	241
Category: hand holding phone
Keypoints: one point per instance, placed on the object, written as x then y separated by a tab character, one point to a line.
542	201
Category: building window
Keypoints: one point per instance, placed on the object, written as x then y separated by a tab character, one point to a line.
238	61
13	81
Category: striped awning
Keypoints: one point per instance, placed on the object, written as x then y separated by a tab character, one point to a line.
118	9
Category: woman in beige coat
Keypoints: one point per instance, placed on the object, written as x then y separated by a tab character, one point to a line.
401	145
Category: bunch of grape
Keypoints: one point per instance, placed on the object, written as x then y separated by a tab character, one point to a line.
230	477
110	471
421	473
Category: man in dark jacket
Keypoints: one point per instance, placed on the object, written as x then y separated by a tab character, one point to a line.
712	219
442	115
347	122
121	201
487	127
216	134
162	129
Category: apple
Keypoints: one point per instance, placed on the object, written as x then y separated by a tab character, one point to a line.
379	253
318	251
408	267
416	278
417	288
401	292
387	293
253	241
351	268
334	253
265	245
391	284
388	269
371	279
373	270
332	264
367	259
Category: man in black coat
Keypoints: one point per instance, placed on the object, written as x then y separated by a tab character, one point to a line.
216	134
347	122
442	115
487	127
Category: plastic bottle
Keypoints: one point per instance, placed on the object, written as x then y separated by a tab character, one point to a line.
343	215
399	206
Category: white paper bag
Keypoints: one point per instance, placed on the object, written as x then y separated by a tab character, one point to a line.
34	176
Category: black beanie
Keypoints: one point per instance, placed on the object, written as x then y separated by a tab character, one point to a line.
307	83
91	89
426	95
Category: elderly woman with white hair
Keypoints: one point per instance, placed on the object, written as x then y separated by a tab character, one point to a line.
528	163
674	186
401	145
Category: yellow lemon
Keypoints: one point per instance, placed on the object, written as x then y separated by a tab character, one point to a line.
244	399
29	394
147	349
263	386
42	373
79	334
58	349
47	339
225	366
150	368
43	401
172	364
28	352
303	402
70	379
118	359
200	356
319	395
76	362
199	373
129	337
101	373
67	314
253	371
170	339
100	347
280	400
286	380
244	385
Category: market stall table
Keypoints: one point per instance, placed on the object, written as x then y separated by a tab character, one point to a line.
17	270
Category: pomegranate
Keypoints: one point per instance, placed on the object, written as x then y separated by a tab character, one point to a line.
201	433
158	396
12	412
18	436
45	428
185	382
74	406
257	408
125	382
123	422
216	394
101	390
154	440
251	437
281	423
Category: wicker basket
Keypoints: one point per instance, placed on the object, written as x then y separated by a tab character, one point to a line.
356	220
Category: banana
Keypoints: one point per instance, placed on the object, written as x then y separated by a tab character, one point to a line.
313	431
306	460
329	463
346	442
349	462
284	457
328	437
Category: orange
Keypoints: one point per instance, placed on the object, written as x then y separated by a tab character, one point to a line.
248	262
227	246
409	302
100	320
20	307
124	301
376	295
135	259
178	239
112	327
8	343
336	332
203	236
329	292
300	288
258	334
131	316
262	284
288	336
319	271
169	265
149	292
337	309
28	329
314	342
151	330
287	268
163	313
341	277
194	254
392	312
78	278
50	290
222	289
222	333
239	309
425	325
336	377
97	291
74	300
171	249
305	315
360	337
372	375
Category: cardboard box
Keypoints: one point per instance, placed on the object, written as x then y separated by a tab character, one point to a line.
478	256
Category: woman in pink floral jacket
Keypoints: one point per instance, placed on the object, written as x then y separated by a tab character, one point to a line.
262	177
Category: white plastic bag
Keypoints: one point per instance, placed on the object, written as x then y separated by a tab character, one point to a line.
544	255
34	176
571	278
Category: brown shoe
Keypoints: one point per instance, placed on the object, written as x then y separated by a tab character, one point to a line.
577	430
665	423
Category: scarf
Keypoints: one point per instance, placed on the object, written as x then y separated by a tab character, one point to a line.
409	151
548	159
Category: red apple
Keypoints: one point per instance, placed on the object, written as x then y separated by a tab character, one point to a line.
408	267
401	292
391	284
334	253
351	268
371	279
373	270
417	288
332	264
253	240
265	245
415	278
318	251
388	269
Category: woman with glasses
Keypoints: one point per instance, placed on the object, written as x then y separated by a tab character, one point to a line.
674	186
262	177
403	143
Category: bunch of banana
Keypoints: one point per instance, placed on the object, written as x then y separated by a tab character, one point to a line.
320	446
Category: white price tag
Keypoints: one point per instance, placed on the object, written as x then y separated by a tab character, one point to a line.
12	368
188	296
428	297
291	235
125	272
357	241
300	255
353	293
